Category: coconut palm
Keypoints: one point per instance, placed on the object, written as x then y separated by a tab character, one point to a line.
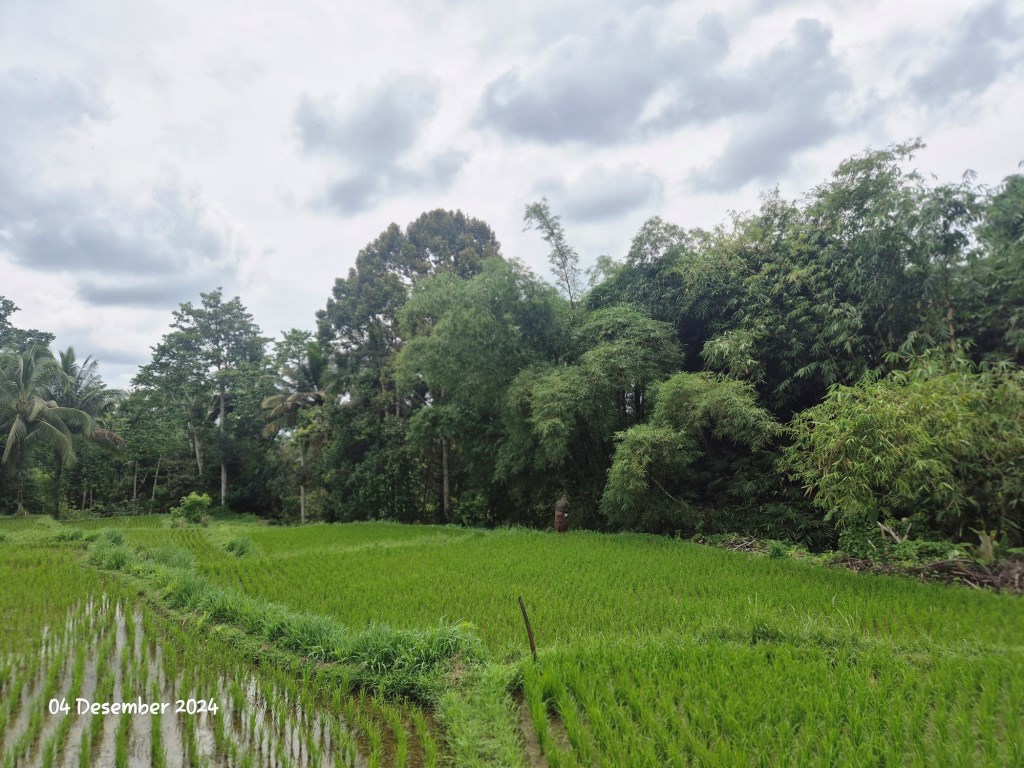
79	386
309	383
28	416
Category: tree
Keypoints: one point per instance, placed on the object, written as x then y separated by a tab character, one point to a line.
208	357
693	453
467	340
567	409
16	339
565	262
305	381
992	290
360	326
27	417
79	386
157	444
360	321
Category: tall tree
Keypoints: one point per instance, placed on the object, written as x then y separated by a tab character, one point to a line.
17	339
305	380
467	340
360	322
565	262
206	359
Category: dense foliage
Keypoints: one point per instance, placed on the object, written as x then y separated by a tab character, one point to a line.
843	357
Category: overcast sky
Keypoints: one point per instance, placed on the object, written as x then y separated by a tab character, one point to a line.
150	150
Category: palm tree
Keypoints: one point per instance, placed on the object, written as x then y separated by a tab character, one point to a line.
309	383
28	416
79	386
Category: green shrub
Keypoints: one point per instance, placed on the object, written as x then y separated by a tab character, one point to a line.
922	551
942	440
193	508
862	539
777	550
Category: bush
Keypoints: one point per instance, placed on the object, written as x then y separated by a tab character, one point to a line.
193	508
921	551
862	539
777	550
705	446
942	440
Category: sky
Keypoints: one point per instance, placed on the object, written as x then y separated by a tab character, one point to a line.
151	150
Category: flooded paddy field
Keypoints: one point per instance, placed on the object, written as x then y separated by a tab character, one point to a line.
118	685
101	677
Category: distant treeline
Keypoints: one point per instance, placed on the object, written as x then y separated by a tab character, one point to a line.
849	357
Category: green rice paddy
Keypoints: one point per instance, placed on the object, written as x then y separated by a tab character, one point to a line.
383	644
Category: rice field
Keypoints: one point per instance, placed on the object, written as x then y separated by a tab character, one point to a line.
651	651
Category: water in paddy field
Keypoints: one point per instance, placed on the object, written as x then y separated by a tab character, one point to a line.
108	652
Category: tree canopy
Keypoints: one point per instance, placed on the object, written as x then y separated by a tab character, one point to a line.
846	356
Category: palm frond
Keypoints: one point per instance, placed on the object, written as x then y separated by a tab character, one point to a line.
15	436
52	435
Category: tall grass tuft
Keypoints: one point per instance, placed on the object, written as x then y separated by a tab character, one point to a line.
239	546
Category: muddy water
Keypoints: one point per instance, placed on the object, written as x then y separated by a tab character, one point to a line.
257	722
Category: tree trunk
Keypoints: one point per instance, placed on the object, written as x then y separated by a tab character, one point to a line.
302	483
446	474
223	464
426	487
156	477
135	483
58	477
21	481
197	447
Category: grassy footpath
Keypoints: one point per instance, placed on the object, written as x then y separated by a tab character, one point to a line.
652	651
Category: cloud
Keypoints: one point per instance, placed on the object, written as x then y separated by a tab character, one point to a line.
601	193
595	89
35	103
987	43
629	83
385	124
126	253
799	87
374	140
119	250
361	190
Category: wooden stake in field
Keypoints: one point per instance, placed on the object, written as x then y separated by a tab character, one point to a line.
529	630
